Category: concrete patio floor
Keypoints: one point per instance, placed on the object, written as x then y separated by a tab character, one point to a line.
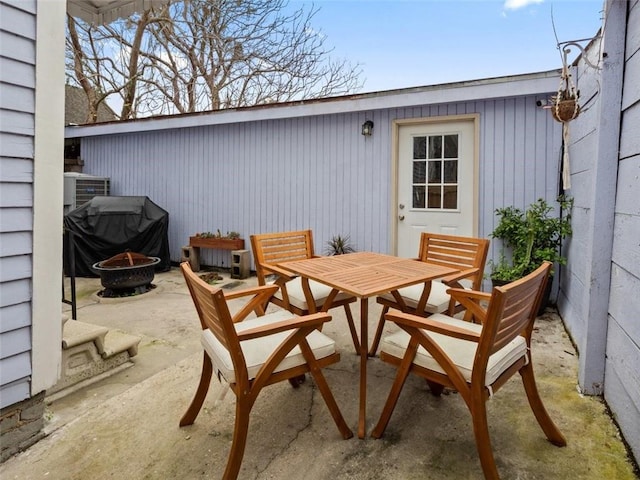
125	426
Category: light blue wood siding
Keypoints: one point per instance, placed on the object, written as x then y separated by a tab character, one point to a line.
583	148
599	299
622	375
317	172
17	107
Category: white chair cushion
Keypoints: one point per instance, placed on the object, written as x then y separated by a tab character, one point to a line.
461	352
256	351
320	292
437	302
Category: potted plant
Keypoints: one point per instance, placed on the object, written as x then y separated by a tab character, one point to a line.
339	245
529	238
564	106
230	241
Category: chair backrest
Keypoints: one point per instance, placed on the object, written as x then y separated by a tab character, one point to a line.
512	311
458	252
214	314
271	248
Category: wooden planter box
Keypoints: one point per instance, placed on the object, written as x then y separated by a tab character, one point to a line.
220	243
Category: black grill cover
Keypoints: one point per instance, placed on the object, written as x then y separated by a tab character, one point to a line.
106	226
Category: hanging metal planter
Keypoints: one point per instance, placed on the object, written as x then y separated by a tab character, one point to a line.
564	107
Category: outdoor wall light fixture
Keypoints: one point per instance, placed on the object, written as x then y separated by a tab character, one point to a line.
367	128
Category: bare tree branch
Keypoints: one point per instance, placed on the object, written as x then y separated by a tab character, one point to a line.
207	55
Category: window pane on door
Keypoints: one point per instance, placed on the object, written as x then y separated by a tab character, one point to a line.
450	171
435	146
451	146
434	197
435	171
419	148
418	197
450	197
419	173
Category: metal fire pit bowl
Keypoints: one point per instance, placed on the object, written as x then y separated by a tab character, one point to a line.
126	270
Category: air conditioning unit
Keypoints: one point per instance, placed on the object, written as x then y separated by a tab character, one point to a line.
79	188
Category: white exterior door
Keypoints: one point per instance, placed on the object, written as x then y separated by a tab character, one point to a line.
436	181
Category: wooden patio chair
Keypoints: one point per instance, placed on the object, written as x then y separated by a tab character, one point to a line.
467	254
250	354
474	359
272	248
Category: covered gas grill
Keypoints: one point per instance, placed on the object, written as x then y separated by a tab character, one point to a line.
109	226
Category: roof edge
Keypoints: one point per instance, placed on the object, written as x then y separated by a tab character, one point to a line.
494	87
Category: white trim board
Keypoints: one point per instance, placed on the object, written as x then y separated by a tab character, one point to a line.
516	85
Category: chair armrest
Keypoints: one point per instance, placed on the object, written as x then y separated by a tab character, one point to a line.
245	292
284	274
427	323
470	299
459	293
454	278
313	320
257	304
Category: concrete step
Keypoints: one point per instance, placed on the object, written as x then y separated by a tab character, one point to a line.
117	342
89	352
76	333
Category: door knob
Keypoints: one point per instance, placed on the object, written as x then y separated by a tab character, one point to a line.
401	217
401	206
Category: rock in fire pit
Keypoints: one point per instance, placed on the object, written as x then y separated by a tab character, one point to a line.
126	274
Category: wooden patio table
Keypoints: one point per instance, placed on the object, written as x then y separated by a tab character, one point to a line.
364	275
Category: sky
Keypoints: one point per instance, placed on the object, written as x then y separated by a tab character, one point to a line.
407	43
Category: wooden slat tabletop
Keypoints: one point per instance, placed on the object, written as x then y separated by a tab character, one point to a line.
366	274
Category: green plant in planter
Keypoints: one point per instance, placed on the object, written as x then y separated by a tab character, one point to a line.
339	245
218	234
531	237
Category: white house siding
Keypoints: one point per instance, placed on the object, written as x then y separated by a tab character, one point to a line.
17	107
599	289
316	172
